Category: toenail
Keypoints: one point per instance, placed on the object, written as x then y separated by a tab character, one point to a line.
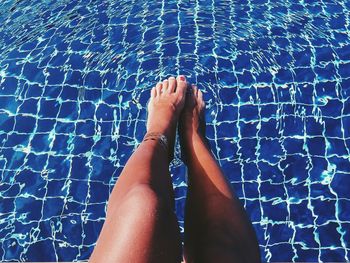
182	78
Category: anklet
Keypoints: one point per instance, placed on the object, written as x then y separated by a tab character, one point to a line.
156	136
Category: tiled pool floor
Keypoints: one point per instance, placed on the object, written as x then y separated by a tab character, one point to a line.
74	82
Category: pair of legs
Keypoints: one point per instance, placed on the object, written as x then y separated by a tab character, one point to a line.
141	225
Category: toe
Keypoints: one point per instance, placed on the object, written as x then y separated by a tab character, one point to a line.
153	92
181	85
195	90
200	96
158	88
172	85
165	85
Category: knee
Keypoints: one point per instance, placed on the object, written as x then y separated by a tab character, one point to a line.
143	199
143	196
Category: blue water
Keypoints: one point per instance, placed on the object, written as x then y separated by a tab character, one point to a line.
74	81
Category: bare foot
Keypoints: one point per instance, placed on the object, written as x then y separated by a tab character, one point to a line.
166	102
192	120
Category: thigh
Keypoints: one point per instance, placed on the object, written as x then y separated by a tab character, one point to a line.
141	229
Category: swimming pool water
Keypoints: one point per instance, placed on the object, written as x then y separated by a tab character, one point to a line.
74	81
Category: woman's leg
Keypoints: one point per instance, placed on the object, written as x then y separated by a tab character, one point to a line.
141	225
216	226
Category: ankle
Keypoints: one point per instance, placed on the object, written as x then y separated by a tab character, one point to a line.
190	139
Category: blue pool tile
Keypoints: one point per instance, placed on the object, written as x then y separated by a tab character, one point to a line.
344	69
248	148
61	57
266	94
339	183
55	76
316	146
73	77
234	169
343	52
305	254
34	91
280	212
292	125
56	188
329	236
254	210
302	58
7	205
87	128
79	167
304	75
104	112
227	148
336	255
248	112
12	248
41	250
30	206
269	129
37	161
9	103
314	126
337	146
324	54
300	213
322	190
68	110
29	106
87	110
344	206
326	210
346	231
39	142
52	207
294	146
264	77
270	150
333	127
268	111
332	108
280	231
248	129
251	190
76	62
92	95
48	108
24	124
82	145
319	165
272	191
52	92
9	86
270	172
283	94
7	123
93	80
57	166
60	144
326	72
295	168
92	229
99	192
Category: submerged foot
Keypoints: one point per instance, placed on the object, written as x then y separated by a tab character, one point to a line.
166	102
192	120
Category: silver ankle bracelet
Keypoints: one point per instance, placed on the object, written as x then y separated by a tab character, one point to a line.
156	136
